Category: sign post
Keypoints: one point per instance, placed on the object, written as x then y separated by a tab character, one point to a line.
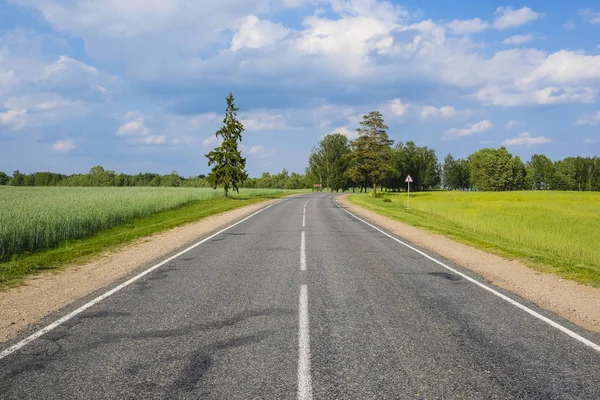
408	180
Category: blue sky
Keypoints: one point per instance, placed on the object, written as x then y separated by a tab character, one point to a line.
140	85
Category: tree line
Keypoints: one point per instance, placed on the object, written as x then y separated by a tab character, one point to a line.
497	170
98	176
373	161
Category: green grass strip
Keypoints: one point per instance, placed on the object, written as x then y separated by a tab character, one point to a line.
514	226
81	250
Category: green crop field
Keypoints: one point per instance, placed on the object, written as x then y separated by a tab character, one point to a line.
45	227
553	231
38	218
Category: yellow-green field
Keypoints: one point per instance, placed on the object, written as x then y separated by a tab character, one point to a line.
553	231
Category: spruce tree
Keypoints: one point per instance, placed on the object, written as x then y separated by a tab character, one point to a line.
229	165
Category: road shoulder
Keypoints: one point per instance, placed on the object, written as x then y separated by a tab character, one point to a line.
43	294
577	303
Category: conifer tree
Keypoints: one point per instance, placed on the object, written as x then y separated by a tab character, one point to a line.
229	165
371	157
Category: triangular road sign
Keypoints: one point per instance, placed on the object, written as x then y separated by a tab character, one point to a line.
408	179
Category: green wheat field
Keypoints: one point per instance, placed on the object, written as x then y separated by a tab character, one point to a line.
554	231
38	218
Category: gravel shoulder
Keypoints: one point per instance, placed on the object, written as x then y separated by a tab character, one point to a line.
43	294
577	303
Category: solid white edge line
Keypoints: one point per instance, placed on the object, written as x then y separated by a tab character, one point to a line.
98	299
303	252
528	310
304	377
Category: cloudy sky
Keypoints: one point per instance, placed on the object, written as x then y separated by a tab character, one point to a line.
140	85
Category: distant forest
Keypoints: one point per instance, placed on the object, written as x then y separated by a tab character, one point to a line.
98	176
485	170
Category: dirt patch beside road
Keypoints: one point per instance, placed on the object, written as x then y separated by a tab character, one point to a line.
578	303
45	293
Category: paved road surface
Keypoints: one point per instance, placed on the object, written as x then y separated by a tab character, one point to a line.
258	312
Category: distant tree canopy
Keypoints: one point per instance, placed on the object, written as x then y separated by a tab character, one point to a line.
456	173
496	170
328	162
370	159
539	172
4	178
98	176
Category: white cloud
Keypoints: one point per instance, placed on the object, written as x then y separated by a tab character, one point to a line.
397	107
351	38
15	118
210	141
254	33
512	123
400	108
510	96
465	27
589	141
518	39
40	91
135	127
64	146
65	63
325	115
525	139
566	67
256	150
153	139
506	17
442	112
344	130
589	120
263	121
381	10
569	25
591	16
469	130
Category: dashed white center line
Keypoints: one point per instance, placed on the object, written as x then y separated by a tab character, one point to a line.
304	378
303	252
304	214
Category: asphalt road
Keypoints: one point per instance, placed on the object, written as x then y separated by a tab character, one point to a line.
258	312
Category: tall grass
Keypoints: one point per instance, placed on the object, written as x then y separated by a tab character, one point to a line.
39	218
557	229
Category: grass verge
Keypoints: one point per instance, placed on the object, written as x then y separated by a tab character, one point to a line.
554	232
81	250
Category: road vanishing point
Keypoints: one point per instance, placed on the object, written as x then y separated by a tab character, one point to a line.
302	300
